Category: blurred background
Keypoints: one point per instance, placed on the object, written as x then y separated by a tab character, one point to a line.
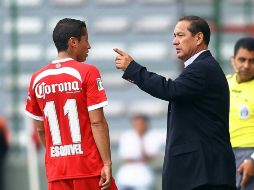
144	28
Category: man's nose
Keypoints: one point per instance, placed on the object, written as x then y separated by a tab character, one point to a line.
175	41
247	64
88	46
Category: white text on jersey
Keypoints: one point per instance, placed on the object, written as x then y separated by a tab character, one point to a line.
66	150
42	89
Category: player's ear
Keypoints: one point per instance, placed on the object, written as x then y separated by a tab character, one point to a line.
72	42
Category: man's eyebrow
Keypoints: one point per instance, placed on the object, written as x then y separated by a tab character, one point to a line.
177	33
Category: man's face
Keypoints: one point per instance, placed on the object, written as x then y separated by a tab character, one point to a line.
243	64
184	42
82	47
140	125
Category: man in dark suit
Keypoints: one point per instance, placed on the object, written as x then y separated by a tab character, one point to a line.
198	152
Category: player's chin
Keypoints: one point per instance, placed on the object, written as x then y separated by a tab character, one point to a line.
84	58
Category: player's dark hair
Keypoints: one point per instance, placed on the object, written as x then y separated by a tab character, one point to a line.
64	30
198	24
245	43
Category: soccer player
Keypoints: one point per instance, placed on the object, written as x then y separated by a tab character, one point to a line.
241	118
66	99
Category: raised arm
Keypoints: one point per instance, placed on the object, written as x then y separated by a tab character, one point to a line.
188	86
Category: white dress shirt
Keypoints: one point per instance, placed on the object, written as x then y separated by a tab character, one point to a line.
191	59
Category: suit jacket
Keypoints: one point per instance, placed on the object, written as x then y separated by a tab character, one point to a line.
198	149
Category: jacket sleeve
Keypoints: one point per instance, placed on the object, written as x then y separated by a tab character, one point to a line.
190	85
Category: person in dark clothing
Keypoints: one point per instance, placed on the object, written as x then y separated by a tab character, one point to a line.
198	150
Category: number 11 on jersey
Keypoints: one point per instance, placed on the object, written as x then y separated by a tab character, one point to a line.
70	109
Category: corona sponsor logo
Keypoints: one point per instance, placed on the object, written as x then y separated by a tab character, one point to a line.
43	89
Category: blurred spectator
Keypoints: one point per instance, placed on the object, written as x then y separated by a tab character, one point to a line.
4	143
136	149
241	122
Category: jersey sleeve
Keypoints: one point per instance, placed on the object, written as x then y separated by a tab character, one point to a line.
32	107
96	95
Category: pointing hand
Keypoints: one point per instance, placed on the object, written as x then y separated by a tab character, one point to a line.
122	60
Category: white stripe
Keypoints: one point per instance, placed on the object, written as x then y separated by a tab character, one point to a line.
62	60
96	106
63	70
40	118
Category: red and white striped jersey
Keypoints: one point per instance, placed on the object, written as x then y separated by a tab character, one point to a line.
61	94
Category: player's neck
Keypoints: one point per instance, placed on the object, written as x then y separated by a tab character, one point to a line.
64	55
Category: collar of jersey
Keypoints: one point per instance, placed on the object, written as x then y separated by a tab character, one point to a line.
62	60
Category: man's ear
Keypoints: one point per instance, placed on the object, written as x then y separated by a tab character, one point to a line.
72	42
199	38
232	60
233	64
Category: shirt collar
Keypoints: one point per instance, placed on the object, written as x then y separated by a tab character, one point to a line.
62	60
191	59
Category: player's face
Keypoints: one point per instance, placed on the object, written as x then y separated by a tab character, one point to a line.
83	47
243	64
184	41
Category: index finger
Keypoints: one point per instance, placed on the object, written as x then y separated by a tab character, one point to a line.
120	52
